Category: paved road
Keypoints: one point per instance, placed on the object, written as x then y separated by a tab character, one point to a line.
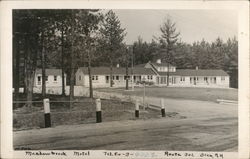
208	127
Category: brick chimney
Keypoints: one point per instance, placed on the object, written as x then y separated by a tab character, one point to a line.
158	61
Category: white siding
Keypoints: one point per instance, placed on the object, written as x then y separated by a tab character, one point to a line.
200	81
79	78
50	82
165	69
101	82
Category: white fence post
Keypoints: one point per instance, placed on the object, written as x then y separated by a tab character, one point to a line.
47	113
163	113
137	108
98	111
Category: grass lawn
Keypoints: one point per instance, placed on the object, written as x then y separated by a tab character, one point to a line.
83	111
204	94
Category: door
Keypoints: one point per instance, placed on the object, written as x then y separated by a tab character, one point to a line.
157	80
174	80
107	79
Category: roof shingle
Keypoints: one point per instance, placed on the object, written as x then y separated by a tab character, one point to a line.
56	72
117	71
193	72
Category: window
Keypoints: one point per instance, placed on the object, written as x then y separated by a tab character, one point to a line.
161	68
46	78
55	78
126	77
163	80
80	78
214	79
38	80
150	77
94	77
117	77
205	79
113	77
182	78
223	78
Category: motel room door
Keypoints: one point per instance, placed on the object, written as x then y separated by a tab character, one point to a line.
107	79
193	80
173	80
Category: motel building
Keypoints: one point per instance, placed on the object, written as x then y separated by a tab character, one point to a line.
53	78
101	76
155	74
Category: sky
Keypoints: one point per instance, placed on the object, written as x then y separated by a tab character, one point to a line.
193	25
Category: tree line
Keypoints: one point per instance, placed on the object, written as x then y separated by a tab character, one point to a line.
218	54
69	39
65	39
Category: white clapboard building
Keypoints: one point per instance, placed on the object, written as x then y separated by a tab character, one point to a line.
53	80
155	74
101	76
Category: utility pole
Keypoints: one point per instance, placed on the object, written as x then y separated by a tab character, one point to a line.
43	68
127	63
144	91
90	76
62	64
126	75
132	67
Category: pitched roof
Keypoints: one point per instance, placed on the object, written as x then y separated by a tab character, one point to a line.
161	64
193	72
154	64
56	72
141	65
118	71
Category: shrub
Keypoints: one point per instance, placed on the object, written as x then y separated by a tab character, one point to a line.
147	83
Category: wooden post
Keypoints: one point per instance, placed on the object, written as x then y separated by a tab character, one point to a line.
137	109
47	112
163	113
98	111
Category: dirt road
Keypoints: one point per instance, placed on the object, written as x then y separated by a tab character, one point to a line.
207	127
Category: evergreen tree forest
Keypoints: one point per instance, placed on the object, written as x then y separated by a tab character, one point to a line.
69	39
218	54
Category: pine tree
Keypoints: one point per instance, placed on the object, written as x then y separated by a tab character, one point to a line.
169	37
112	36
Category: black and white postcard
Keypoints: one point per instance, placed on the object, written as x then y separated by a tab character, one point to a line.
117	79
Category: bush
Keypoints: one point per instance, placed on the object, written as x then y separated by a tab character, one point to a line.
147	83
